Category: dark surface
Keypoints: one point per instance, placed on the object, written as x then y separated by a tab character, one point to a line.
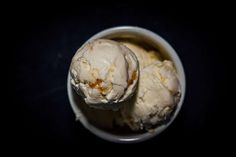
46	42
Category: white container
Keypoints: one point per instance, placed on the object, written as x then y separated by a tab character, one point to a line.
152	39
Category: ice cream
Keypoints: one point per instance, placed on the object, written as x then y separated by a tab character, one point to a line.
157	96
104	72
145	57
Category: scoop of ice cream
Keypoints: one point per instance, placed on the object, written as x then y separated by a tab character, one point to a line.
144	57
158	93
104	72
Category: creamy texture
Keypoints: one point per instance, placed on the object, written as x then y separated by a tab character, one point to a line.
104	72
158	93
144	57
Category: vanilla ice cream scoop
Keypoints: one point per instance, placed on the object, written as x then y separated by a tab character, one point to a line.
104	72
158	93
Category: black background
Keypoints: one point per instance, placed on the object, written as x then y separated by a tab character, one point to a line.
44	41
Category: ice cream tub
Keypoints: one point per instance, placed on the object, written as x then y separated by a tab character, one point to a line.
101	122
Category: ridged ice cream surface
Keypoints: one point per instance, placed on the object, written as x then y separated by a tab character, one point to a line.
104	72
